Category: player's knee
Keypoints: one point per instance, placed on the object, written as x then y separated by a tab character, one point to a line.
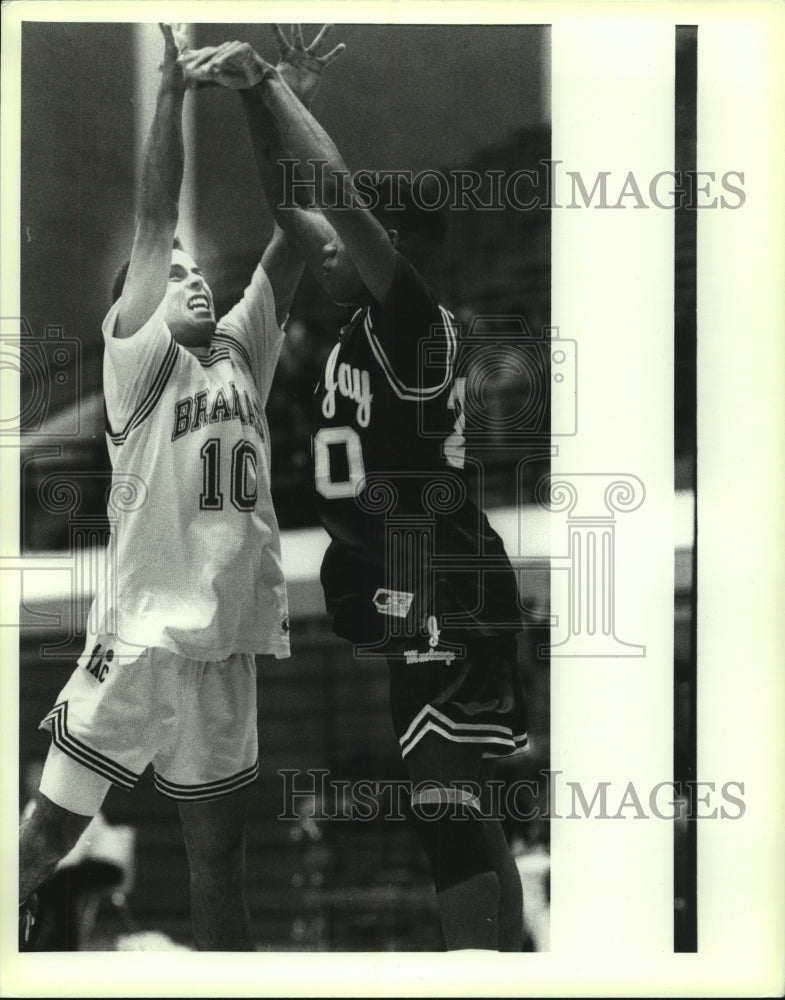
51	831
214	857
510	897
214	833
449	825
217	860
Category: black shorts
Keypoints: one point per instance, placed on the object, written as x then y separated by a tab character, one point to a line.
461	684
466	692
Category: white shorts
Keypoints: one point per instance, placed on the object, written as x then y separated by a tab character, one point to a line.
125	707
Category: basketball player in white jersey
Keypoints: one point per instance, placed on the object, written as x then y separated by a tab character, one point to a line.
193	588
455	695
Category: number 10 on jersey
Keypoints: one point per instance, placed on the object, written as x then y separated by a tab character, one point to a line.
242	476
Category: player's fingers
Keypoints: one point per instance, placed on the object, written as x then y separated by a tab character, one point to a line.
226	56
180	35
280	39
332	55
168	33
196	58
226	49
232	67
214	56
323	33
199	73
297	37
190	65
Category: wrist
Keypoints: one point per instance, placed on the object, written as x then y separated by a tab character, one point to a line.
267	72
173	88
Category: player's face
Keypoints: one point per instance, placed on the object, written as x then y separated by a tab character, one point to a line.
190	313
339	276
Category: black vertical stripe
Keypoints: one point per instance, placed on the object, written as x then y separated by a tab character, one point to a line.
685	881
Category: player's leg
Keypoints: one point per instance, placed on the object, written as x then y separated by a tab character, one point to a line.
209	766
493	680
66	801
511	936
510	889
214	834
460	842
476	700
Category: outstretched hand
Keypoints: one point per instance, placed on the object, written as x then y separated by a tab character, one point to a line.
299	64
238	66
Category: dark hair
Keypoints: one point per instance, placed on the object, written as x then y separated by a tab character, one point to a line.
119	280
413	218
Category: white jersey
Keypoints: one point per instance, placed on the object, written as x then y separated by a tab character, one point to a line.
194	563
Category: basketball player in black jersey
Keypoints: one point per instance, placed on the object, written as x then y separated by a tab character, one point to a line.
414	571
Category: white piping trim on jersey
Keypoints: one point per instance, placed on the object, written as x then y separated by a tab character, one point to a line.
149	402
346	326
402	390
332	358
430	710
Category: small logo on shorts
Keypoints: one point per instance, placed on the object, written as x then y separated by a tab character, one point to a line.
392	602
432	653
285	624
431	656
98	664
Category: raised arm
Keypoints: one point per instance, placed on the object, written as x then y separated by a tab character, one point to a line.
158	200
304	139
298	235
301	67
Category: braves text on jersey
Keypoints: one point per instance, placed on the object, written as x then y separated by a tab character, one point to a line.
194	561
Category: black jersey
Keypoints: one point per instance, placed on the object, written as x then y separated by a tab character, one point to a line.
408	540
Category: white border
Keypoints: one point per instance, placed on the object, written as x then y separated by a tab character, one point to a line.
742	887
